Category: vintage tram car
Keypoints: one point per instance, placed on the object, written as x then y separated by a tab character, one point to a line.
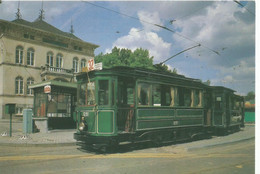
124	104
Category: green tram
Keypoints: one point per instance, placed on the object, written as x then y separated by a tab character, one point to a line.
124	104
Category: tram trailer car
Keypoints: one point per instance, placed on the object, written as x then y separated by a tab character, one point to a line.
124	104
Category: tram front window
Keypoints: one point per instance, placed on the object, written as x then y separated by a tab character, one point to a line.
87	94
103	92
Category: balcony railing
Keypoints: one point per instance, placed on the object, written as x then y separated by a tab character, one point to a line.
53	69
52	73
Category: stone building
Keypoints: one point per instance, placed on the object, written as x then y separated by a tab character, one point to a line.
33	52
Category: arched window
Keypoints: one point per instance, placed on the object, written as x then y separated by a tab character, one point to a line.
59	61
30	81
49	59
19	85
30	56
76	64
19	55
82	63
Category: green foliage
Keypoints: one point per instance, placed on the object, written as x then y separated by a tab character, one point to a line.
250	96
124	57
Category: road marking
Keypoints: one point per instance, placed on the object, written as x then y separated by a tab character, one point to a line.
120	156
37	157
139	155
239	166
101	156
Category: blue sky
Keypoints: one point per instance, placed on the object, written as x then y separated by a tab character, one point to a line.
221	26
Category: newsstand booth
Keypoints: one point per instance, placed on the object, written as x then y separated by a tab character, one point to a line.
54	103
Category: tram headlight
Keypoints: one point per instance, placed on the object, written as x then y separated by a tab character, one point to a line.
81	126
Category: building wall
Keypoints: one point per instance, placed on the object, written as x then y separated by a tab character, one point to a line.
40	53
10	70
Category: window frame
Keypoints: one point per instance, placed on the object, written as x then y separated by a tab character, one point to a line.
31	81
107	93
50	59
19	54
147	95
59	61
19	86
30	57
75	64
83	63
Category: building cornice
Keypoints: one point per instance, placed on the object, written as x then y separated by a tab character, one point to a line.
14	95
10	29
20	65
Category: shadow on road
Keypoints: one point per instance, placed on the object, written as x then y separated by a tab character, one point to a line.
129	147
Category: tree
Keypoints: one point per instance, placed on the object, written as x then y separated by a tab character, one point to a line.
125	57
250	96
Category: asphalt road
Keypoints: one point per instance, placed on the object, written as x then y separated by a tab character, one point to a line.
228	158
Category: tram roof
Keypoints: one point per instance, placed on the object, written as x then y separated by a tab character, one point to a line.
141	73
223	88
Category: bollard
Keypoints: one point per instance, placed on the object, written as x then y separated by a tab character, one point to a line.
27	121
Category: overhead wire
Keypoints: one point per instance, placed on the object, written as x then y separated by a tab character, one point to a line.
244	7
189	14
157	25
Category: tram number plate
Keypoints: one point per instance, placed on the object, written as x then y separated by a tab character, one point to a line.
85	114
175	123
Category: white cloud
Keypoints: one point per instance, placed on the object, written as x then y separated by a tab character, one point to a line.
148	19
229	29
30	9
149	40
221	31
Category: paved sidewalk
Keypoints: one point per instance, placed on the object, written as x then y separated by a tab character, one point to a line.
52	138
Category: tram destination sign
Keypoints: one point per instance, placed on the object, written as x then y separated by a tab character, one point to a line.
91	66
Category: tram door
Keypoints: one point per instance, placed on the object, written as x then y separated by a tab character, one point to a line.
228	109
126	100
208	109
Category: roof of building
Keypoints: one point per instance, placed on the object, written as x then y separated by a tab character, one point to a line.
54	83
42	25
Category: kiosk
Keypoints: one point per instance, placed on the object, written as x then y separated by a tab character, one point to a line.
54	103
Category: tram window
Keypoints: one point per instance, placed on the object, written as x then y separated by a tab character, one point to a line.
130	95
113	92
184	96
181	96
232	102
126	93
87	94
187	97
218	103
103	92
167	96
82	94
143	93
156	95
207	100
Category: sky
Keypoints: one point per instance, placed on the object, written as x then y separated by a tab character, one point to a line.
224	30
